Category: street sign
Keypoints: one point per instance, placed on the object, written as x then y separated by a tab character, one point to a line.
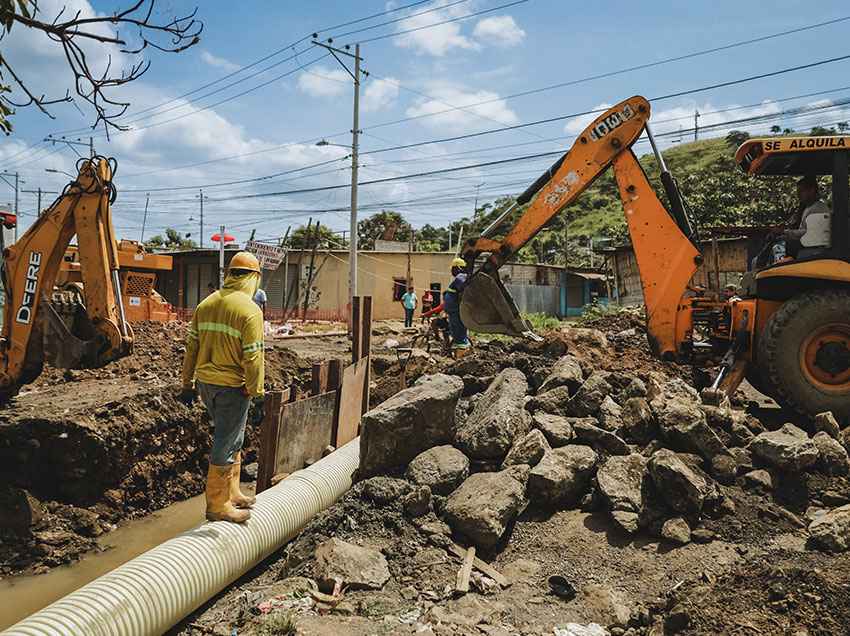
270	256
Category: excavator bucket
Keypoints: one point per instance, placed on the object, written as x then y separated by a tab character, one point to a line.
487	307
62	348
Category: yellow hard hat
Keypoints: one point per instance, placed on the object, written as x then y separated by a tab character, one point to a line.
458	262
245	260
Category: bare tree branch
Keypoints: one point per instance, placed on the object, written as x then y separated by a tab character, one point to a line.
172	37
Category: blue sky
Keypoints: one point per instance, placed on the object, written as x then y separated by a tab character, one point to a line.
453	67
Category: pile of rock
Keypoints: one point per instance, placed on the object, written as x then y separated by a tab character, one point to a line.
645	449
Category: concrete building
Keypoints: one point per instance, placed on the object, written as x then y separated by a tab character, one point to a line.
383	275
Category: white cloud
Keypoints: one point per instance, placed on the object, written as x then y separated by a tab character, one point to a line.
448	97
499	30
324	82
379	94
435	40
218	62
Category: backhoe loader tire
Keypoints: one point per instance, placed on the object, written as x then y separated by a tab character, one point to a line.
804	354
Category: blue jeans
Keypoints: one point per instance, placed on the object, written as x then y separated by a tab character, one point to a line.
228	408
408	317
458	329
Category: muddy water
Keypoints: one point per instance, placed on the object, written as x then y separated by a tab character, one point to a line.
21	596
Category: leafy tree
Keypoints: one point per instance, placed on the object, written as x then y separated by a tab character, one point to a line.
735	138
172	240
820	131
776	129
375	226
843	126
300	239
76	34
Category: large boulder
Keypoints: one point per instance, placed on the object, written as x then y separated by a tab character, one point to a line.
684	487
586	432
442	469
485	505
831	531
499	417
637	421
788	448
551	401
661	390
528	449
832	458
410	422
827	423
610	414
352	565
565	372
556	428
684	425
621	482
562	476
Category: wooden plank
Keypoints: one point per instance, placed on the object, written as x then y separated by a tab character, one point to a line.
319	380
462	583
268	438
304	432
355	329
351	402
481	566
335	385
366	350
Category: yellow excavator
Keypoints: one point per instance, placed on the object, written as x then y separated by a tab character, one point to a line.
789	330
40	325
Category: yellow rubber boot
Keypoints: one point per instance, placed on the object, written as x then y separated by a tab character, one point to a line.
219	507
237	497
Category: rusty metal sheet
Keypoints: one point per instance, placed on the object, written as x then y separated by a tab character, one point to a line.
304	432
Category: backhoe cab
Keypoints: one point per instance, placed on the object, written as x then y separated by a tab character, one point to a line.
40	325
790	336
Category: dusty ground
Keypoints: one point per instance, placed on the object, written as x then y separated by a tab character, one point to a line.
757	575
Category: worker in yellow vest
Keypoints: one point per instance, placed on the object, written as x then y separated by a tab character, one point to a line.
224	364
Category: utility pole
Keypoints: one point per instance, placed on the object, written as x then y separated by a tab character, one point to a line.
145	218
355	132
71	144
18	182
475	205
201	198
696	124
38	192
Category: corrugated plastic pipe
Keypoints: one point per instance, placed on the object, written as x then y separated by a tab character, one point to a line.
151	593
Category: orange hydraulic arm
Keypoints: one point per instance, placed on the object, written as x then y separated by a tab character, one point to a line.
32	329
666	256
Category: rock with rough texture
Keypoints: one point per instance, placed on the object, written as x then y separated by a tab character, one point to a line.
628	521
685	488
832	457
485	505
562	476
610	414
442	469
758	480
789	448
676	531
417	502
661	390
743	459
552	401
565	372
408	423
827	423
620	481
589	397
831	531
724	468
498	418
528	449
556	428
684	425
844	438
638	422
353	565
636	388
385	490
586	432
21	511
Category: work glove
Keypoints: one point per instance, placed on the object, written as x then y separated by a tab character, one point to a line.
187	396
258	410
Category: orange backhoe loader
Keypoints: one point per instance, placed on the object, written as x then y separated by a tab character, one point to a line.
38	327
789	333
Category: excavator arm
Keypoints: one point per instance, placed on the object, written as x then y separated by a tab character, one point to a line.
666	255
65	334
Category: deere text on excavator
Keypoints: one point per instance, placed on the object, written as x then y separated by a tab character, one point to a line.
789	331
67	335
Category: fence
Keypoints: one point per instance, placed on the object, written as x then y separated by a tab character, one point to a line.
277	315
537	299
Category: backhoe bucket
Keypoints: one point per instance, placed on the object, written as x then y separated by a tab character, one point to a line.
487	307
64	350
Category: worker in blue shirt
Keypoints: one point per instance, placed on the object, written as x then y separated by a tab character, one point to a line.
451	305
